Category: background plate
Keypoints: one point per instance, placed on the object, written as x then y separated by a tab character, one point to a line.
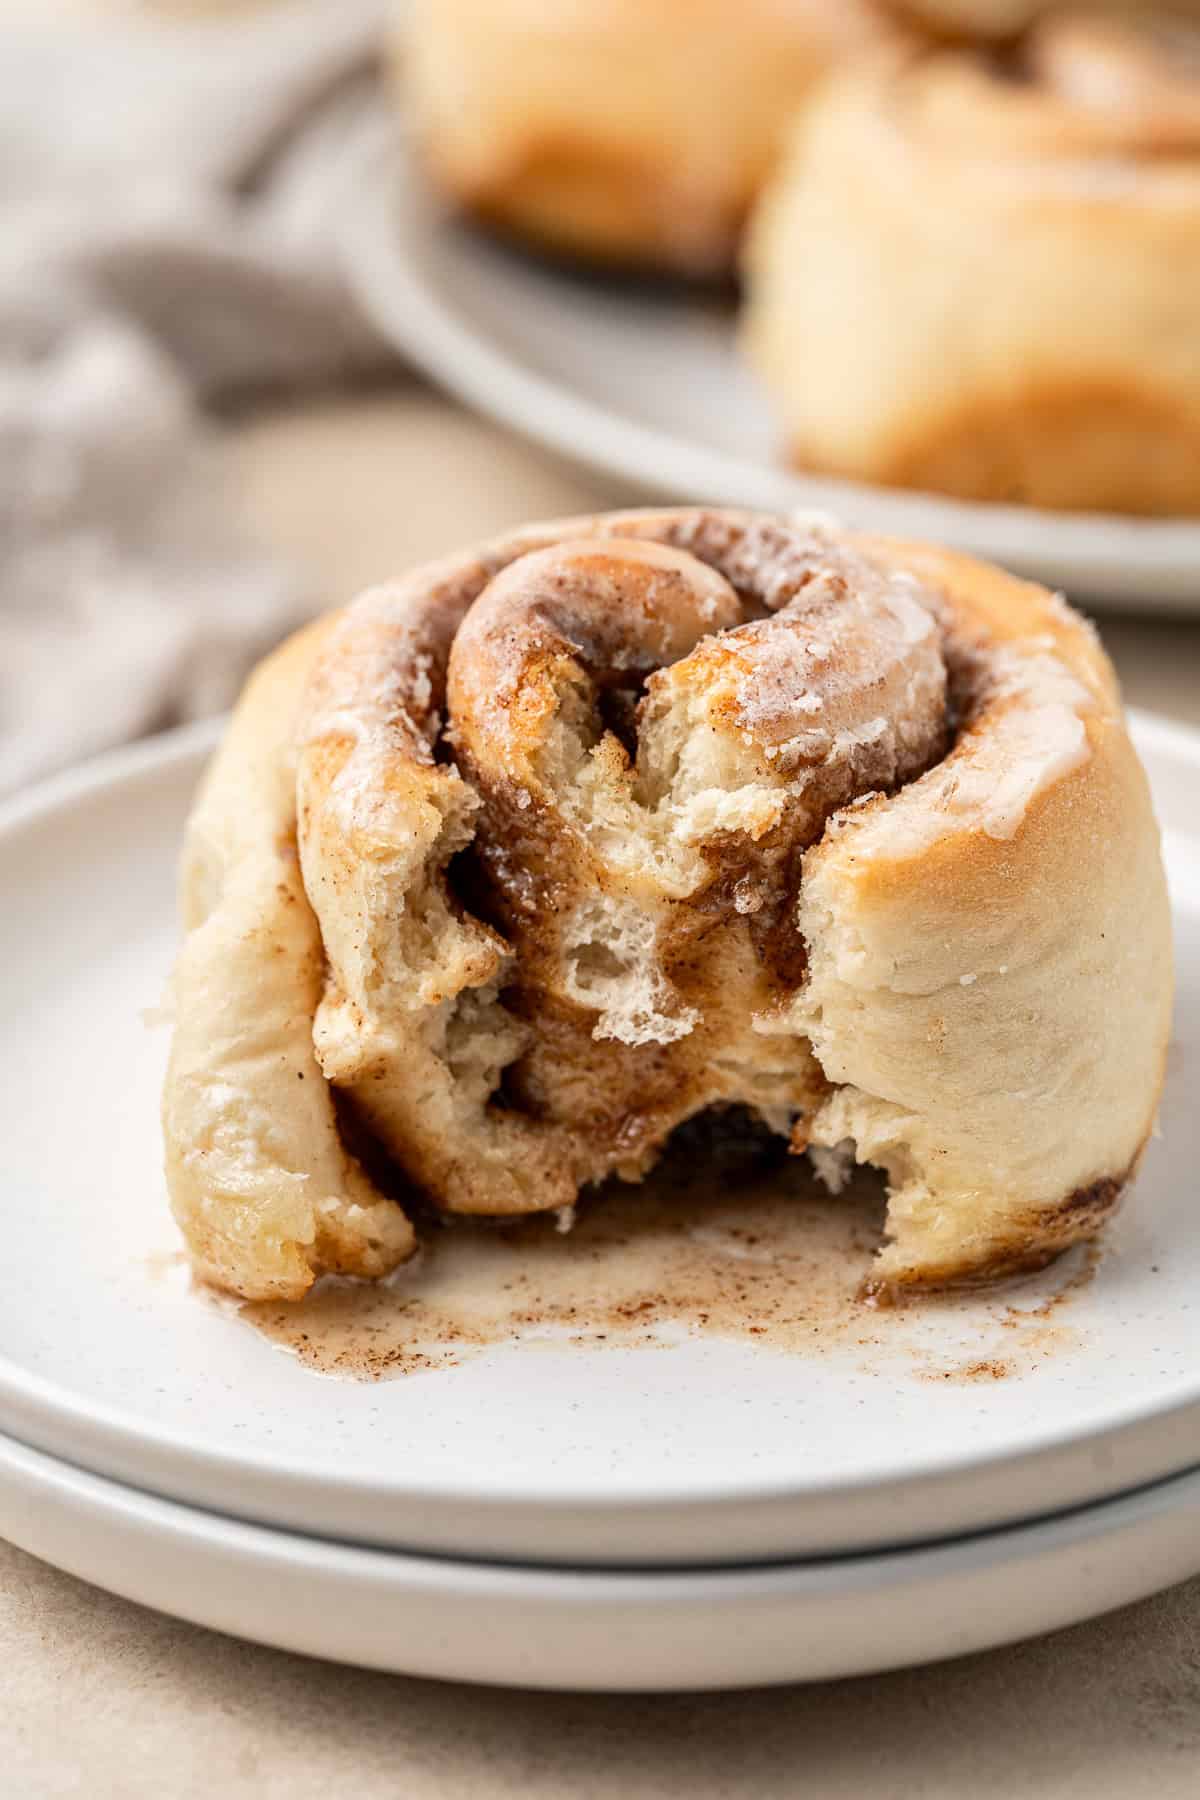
710	1450
645	384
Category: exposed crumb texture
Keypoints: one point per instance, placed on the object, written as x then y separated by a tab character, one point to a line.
522	862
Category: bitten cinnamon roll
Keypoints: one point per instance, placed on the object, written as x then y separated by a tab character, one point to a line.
521	861
979	273
624	132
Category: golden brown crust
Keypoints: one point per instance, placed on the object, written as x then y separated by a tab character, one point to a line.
589	206
1100	445
619	818
1030	1243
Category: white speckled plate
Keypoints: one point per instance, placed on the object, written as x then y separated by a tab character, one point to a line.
600	1628
645	384
708	1450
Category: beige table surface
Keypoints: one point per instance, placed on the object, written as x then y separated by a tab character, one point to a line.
99	1697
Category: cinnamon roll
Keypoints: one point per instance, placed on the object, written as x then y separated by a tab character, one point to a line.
979	273
998	19
522	861
623	132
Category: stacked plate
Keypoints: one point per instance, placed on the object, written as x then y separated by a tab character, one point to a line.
650	1515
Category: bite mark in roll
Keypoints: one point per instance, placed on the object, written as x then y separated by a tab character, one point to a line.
622	818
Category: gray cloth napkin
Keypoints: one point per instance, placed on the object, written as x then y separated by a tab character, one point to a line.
168	207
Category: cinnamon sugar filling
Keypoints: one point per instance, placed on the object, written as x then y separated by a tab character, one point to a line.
651	731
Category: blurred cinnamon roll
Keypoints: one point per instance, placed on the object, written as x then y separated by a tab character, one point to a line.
537	853
999	19
979	272
623	132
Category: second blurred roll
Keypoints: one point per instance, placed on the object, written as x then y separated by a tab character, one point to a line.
978	271
633	133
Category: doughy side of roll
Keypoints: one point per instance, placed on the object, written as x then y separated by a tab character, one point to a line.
989	950
978	273
526	859
263	1187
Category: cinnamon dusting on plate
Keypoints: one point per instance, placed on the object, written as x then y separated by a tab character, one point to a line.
710	1245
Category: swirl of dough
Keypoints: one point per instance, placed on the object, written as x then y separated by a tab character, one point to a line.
622	818
609	876
750	732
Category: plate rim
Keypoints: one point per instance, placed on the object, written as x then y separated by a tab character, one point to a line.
1121	551
73	1517
44	1414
